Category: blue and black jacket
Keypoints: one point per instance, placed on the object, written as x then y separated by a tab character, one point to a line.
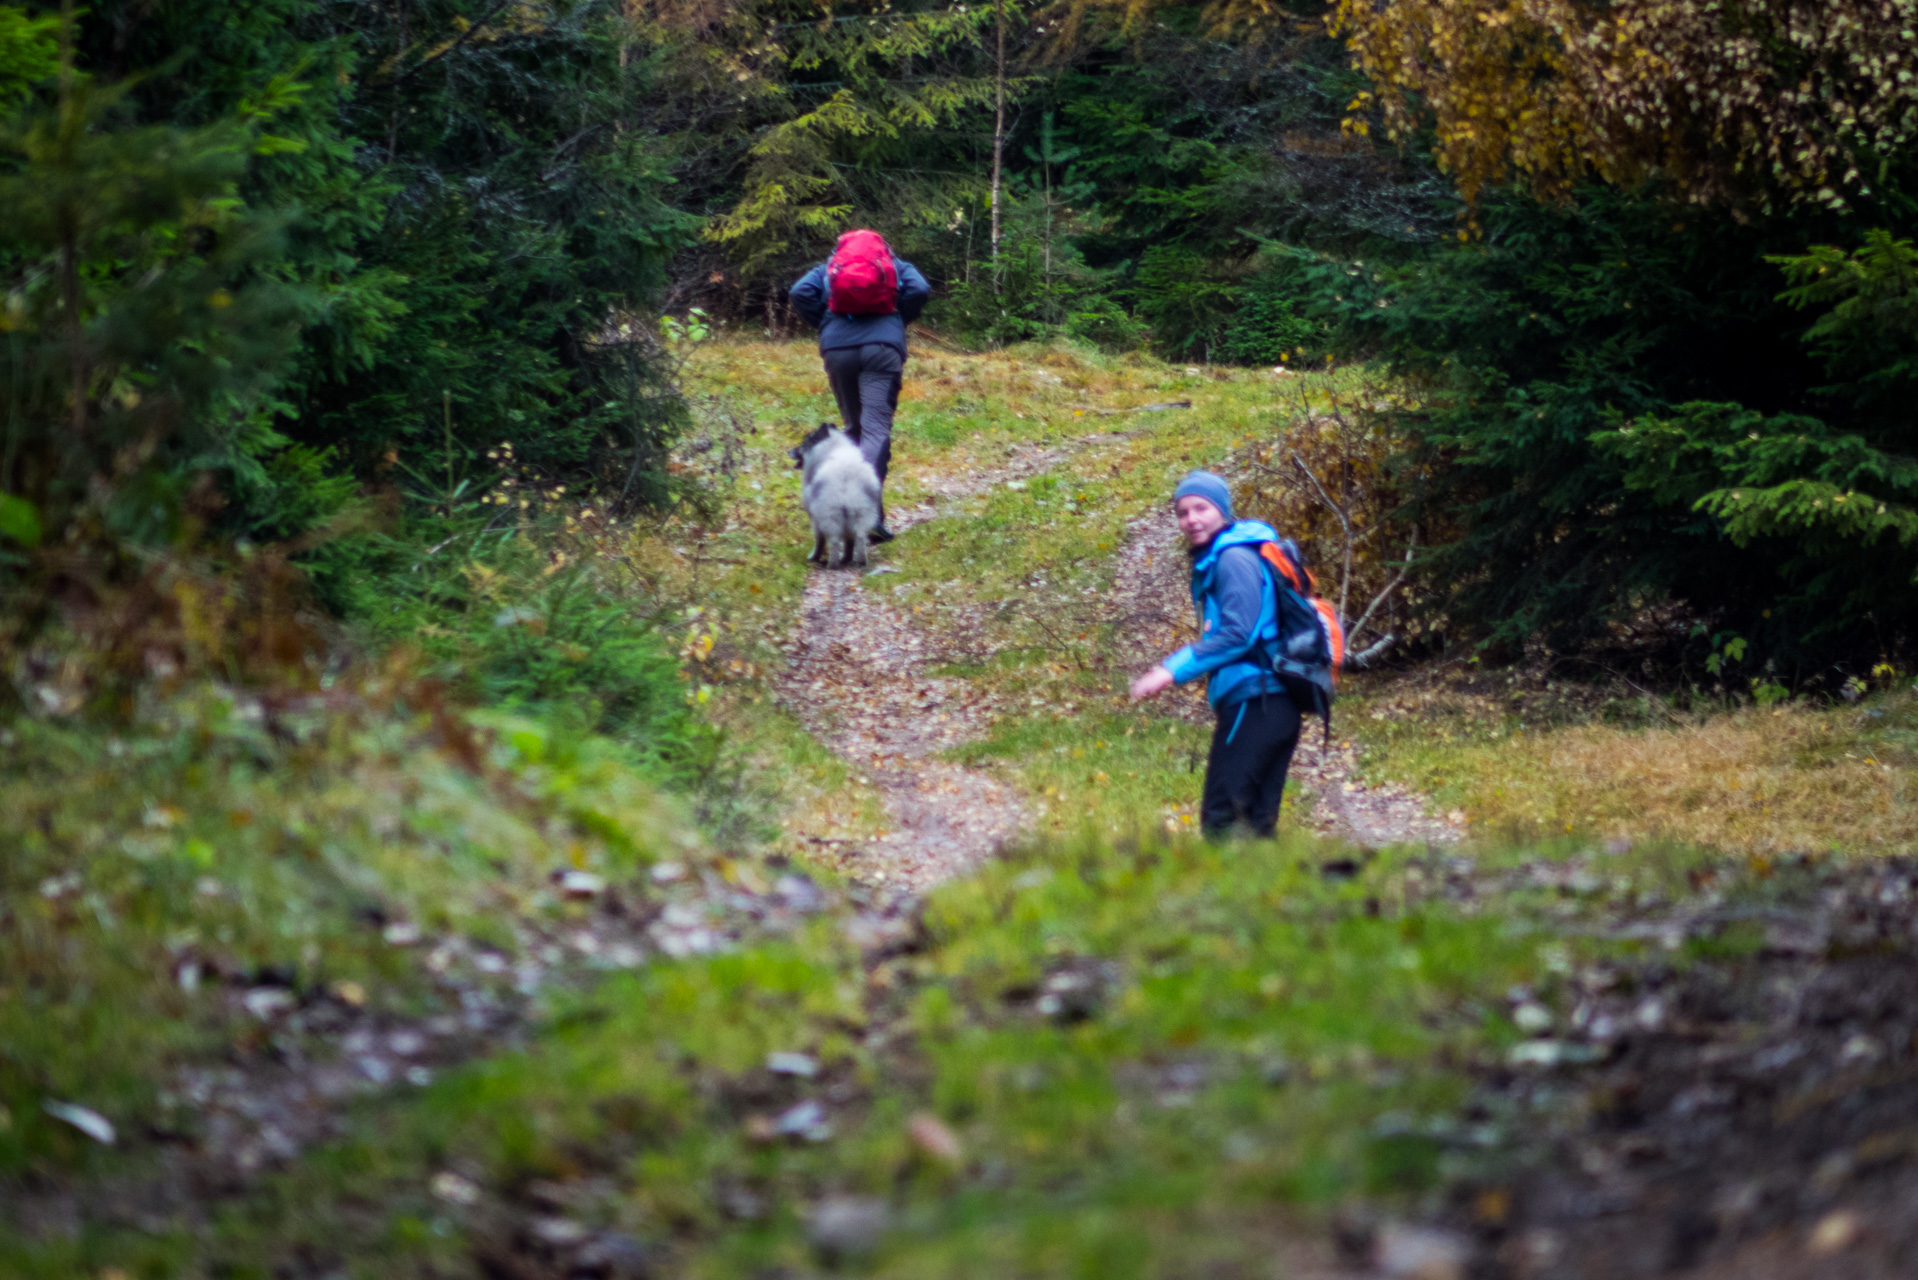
1238	619
836	331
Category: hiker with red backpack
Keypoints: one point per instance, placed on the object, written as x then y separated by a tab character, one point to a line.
1268	648
861	300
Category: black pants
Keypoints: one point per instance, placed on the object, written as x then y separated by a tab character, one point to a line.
1252	747
865	381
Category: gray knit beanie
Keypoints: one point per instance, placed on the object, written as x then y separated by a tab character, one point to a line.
1203	484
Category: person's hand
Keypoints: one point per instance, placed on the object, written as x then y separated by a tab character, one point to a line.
1153	682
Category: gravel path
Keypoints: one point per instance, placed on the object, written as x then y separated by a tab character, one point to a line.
859	683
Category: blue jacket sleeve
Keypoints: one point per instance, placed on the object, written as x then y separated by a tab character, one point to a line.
1238	585
914	292
809	296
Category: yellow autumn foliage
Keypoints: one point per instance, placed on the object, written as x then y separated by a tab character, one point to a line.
1760	101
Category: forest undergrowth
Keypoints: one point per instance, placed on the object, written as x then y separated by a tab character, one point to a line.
373	983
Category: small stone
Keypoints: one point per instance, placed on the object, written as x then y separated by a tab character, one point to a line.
624	955
667	872
1859	1050
847	1226
1532	1018
1538	1249
1551	1053
791	1064
612	1256
348	992
1420	1253
453	1189
558	1233
401	933
682	915
1834	1233
806	1120
580	884
267	1003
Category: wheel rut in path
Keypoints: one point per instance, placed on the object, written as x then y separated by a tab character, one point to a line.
1151	594
859	680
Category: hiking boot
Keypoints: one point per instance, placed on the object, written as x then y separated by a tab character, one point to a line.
880	534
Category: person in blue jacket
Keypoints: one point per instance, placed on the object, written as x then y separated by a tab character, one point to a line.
865	359
1258	723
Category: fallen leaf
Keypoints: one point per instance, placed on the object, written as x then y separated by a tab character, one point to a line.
930	1134
1834	1233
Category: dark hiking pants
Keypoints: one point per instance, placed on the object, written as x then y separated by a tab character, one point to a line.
865	382
1245	774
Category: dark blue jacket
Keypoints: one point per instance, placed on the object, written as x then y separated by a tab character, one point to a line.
836	331
1238	616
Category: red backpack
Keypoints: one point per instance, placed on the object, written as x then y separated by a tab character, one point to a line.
860	278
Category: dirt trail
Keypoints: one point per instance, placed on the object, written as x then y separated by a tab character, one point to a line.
859	682
1152	595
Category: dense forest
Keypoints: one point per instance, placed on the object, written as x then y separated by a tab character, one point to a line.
452	833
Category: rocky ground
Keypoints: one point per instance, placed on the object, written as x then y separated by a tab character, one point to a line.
1736	1103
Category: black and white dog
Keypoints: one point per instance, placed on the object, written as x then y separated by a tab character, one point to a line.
841	493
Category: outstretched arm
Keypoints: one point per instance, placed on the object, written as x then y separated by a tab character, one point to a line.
1238	582
809	296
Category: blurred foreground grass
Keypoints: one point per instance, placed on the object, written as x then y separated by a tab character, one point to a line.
221	843
1136	1058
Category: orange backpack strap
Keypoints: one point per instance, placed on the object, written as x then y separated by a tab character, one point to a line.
1282	564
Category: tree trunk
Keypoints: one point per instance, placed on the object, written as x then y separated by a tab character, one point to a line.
393	120
70	237
998	136
76	331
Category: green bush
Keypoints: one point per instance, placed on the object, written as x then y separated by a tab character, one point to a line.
1267	327
1592	385
525	617
466	205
